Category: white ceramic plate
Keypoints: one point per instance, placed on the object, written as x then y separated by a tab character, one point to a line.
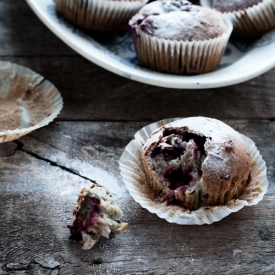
115	52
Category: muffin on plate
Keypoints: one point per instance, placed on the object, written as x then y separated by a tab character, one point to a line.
174	36
195	162
96	215
100	15
250	18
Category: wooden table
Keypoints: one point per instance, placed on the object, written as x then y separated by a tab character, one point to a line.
42	173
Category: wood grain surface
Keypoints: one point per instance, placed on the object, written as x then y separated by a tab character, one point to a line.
43	172
47	168
92	93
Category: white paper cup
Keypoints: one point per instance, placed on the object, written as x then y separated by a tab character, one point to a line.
101	15
27	101
135	180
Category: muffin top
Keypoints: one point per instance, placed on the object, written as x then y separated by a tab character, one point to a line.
199	156
179	20
234	5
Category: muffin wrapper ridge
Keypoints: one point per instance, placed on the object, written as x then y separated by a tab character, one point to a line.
180	57
27	101
135	180
253	21
102	15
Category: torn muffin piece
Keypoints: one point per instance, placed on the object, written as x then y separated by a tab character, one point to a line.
96	215
195	162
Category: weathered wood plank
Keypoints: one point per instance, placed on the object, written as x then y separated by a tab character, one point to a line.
36	200
92	93
100	144
22	33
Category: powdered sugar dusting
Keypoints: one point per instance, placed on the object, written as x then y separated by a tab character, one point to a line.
236	5
179	22
202	126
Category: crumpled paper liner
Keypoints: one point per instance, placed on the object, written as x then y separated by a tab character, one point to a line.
253	21
27	101
101	15
180	57
135	180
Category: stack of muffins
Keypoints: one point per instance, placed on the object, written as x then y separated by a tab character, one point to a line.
175	36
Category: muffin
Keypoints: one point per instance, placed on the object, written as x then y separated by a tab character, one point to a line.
100	15
250	18
96	215
195	162
174	36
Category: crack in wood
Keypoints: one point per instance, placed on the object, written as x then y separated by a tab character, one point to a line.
16	266
20	146
40	140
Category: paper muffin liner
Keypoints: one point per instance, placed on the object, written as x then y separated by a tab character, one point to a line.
180	57
27	101
133	175
101	15
253	21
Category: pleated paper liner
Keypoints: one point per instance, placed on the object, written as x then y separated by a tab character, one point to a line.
101	15
135	180
27	101
252	21
181	57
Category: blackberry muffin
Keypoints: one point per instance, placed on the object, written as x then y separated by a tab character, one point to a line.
96	215
195	162
100	15
174	36
250	17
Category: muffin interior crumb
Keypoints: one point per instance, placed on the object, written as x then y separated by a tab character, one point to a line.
96	215
193	167
178	159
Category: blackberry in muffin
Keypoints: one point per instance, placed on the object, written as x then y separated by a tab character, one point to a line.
96	215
